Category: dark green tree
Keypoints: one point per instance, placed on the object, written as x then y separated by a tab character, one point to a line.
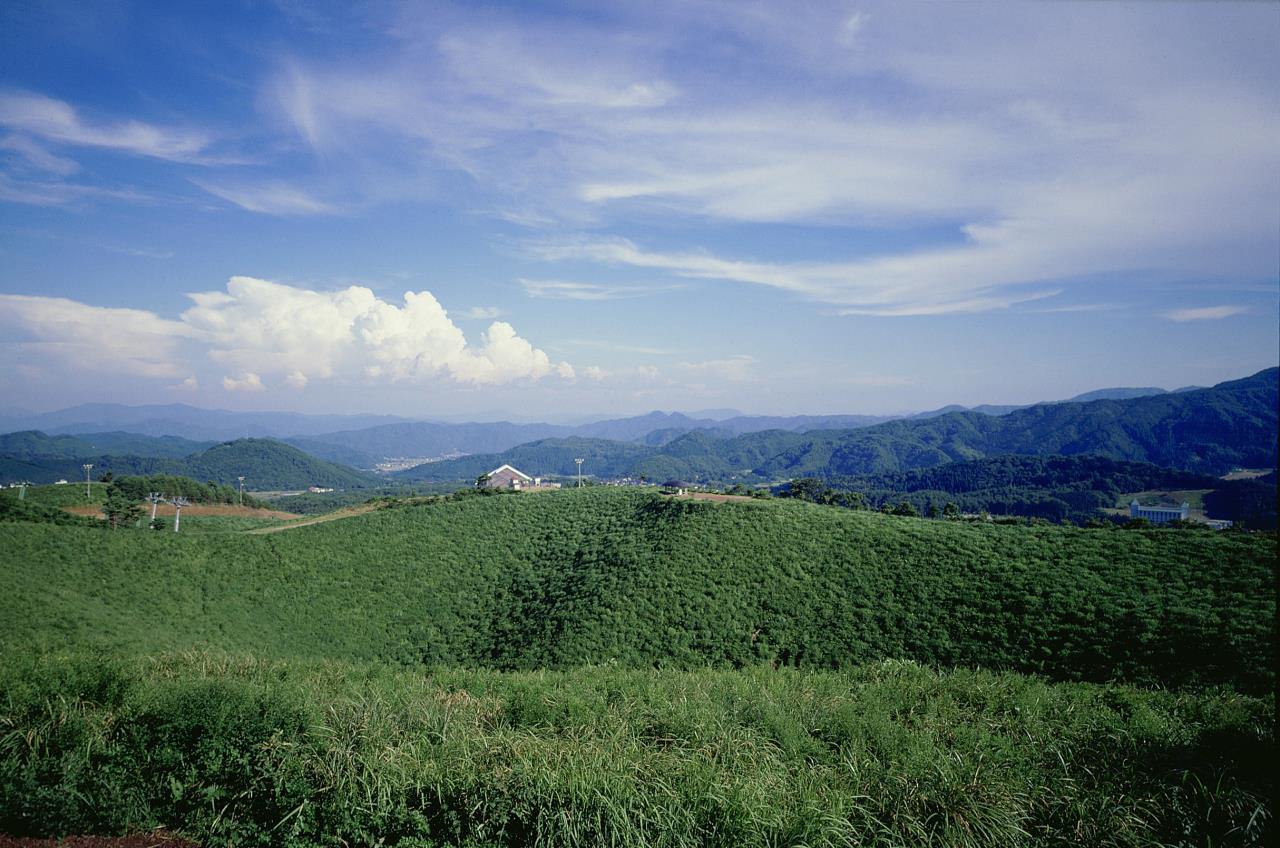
119	509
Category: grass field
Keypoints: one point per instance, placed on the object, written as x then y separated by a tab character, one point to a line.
570	578
242	752
612	667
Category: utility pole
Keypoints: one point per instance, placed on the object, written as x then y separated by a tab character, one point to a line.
155	498
87	496
579	461
178	504
241	479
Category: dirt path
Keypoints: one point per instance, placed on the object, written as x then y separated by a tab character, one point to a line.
337	515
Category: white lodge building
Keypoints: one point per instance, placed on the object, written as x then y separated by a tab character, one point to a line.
508	477
1159	514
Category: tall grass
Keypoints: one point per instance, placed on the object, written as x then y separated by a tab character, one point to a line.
241	752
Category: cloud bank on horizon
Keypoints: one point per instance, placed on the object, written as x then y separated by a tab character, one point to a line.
718	162
257	328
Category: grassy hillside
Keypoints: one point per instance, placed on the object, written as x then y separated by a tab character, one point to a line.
560	579
238	752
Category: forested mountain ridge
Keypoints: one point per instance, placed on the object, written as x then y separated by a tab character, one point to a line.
1207	431
265	463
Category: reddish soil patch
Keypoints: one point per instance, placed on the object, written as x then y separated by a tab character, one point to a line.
197	509
156	839
712	496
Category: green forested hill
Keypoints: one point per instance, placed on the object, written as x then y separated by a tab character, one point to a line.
36	444
1050	487
1208	431
565	578
266	464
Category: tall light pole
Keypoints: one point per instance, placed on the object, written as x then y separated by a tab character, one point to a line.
241	479
579	461
22	491
178	504
87	466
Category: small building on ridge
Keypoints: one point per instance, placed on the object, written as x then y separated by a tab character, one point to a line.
507	477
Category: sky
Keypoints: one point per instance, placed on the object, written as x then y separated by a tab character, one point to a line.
547	211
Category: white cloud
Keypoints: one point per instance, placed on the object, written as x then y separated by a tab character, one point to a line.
189	384
37	157
248	382
272	198
565	290
265	330
481	313
279	329
1204	313
595	372
94	338
58	121
735	369
1050	143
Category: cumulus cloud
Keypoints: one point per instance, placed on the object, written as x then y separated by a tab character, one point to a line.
265	331
247	382
481	313
595	372
1203	313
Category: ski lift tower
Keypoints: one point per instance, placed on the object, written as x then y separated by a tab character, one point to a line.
178	504
156	499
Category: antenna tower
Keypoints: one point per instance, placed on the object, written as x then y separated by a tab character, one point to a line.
579	461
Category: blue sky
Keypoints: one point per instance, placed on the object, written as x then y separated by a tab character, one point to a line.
547	210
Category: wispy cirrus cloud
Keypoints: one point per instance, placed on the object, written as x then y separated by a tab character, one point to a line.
58	121
270	198
1046	167
566	290
1203	313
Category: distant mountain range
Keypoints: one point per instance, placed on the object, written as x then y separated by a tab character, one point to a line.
1204	430
190	422
362	441
1201	430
